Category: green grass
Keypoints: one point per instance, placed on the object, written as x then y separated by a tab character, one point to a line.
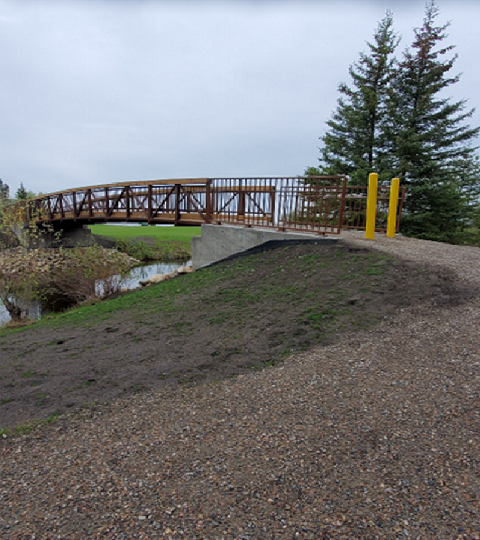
167	234
165	298
375	271
29	426
150	243
150	299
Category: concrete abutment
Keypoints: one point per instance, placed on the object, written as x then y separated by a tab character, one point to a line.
219	242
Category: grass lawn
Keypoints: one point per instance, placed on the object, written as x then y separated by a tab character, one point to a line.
168	234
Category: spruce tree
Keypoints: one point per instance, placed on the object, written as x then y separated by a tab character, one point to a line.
430	145
22	193
4	195
354	140
4	190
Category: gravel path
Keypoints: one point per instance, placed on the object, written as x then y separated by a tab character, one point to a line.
374	437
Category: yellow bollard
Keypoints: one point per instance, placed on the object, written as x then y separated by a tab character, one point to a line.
392	208
371	205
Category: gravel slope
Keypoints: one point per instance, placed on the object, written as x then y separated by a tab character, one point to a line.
374	437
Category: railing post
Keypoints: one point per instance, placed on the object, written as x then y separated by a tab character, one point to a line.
177	204
90	209
342	205
241	205
149	203
60	204
107	203
273	195
126	192
74	201
208	202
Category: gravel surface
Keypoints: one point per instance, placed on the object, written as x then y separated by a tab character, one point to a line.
373	437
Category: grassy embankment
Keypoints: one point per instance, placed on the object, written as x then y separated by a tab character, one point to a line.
240	315
150	243
237	316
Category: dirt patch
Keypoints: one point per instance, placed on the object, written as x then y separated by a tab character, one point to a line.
240	315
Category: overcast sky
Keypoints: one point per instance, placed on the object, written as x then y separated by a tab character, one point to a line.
103	91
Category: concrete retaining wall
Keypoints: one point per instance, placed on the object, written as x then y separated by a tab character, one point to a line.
220	242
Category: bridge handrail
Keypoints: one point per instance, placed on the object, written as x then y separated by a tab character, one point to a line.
319	204
181	181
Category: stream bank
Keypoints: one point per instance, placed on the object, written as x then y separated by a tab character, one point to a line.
67	277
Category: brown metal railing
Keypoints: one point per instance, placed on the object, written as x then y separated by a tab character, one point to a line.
322	204
312	204
355	212
178	202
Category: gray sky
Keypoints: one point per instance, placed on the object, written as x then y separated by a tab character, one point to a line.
102	91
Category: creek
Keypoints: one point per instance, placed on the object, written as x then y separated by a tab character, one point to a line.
34	309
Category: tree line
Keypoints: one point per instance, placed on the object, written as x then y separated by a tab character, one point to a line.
395	119
21	194
6	238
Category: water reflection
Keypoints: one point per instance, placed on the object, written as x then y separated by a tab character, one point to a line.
33	309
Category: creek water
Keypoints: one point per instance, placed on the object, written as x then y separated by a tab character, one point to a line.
33	309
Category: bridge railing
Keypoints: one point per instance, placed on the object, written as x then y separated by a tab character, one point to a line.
178	202
321	204
355	212
312	204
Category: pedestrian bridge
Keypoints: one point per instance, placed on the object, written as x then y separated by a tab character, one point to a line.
319	205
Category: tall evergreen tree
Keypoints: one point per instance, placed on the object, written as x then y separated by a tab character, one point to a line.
4	195
354	141
430	144
4	190
22	193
